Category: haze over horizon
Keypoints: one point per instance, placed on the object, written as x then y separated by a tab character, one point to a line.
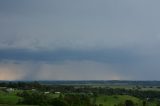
79	40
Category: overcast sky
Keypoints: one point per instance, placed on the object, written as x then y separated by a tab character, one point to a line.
79	40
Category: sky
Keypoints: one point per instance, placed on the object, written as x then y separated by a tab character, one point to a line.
79	40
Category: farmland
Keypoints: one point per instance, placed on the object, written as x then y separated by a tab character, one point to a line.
91	94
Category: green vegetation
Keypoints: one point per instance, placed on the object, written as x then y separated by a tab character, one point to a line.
35	94
115	99
8	98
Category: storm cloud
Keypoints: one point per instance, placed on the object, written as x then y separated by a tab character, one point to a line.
75	40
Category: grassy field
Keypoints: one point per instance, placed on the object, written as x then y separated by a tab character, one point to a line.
11	99
151	88
116	99
8	98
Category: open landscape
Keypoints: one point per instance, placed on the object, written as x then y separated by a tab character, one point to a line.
79	52
80	93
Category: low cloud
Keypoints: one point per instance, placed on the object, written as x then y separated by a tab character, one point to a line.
79	39
68	70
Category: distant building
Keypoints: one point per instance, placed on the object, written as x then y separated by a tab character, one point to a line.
33	89
57	92
9	89
46	92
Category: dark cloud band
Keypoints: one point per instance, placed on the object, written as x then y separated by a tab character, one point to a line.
110	55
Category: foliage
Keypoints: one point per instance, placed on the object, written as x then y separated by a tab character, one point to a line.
129	103
33	93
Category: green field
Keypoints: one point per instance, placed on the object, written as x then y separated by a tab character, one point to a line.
8	98
152	88
11	98
117	99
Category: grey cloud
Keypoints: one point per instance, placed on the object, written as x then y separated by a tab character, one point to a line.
82	25
107	56
123	35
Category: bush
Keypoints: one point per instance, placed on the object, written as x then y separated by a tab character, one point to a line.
129	103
